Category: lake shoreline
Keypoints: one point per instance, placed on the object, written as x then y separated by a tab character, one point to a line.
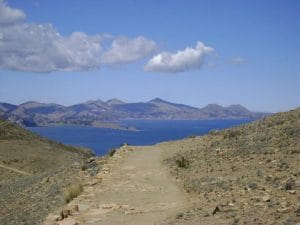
102	140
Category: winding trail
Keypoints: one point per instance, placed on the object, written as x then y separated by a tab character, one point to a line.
15	170
136	189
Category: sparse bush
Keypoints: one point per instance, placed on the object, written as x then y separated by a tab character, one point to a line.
182	162
124	144
84	167
112	152
231	134
72	192
191	136
213	132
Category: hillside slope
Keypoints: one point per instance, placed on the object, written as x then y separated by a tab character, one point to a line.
244	175
33	173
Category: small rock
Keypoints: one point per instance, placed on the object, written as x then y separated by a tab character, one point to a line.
297	210
65	213
292	192
283	210
247	189
283	204
215	210
289	184
259	204
91	159
266	198
179	215
59	218
45	180
69	210
252	185
269	178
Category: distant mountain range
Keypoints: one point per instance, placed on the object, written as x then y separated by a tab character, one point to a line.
99	113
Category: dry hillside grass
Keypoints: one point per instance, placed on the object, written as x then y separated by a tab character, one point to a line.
244	175
33	174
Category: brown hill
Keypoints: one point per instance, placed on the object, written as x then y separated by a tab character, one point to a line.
244	175
33	173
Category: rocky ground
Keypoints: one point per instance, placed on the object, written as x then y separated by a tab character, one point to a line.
246	175
133	188
35	173
29	199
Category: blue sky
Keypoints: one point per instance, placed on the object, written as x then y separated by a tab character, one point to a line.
192	52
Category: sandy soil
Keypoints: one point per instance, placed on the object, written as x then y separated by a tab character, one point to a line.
133	188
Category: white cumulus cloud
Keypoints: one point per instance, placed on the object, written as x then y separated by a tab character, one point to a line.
125	50
9	15
181	61
40	48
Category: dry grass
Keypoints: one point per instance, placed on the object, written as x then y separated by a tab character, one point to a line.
234	168
72	192
112	152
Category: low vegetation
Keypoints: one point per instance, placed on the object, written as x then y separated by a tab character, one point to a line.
72	192
182	162
33	173
244	175
112	152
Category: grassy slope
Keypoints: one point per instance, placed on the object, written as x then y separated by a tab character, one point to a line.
249	174
27	199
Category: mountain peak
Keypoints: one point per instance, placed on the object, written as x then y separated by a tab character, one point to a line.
158	100
30	102
237	106
213	106
97	101
238	109
114	101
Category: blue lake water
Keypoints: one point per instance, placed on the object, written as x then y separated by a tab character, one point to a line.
101	140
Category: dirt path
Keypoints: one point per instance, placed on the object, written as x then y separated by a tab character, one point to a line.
135	189
14	170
